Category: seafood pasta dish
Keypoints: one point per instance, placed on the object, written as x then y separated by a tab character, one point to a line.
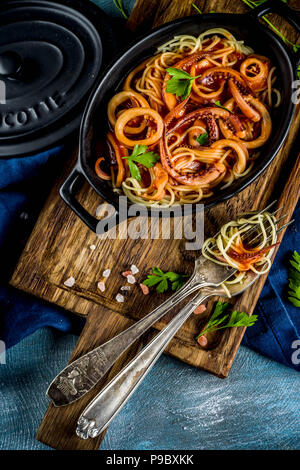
188	121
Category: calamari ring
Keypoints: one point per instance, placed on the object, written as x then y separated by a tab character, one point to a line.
120	98
256	81
132	113
239	148
120	152
205	96
99	171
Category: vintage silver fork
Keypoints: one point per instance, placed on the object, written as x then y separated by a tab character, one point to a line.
107	404
80	376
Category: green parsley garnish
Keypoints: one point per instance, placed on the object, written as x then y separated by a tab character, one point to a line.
119	5
140	155
222	319
294	280
217	103
181	83
202	139
162	280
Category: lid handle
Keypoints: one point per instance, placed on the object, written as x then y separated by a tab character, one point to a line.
10	64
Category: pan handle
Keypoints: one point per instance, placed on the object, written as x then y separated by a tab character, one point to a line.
68	191
279	7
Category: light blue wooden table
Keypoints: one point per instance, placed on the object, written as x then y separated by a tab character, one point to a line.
176	407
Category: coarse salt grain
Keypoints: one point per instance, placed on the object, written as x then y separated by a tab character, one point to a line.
202	340
101	286
120	298
69	282
126	273
134	269
131	279
145	289
125	288
106	273
200	309
92	247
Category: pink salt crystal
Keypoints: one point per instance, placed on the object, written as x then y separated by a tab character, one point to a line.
101	286
200	309
120	298
145	289
126	273
106	273
202	340
69	282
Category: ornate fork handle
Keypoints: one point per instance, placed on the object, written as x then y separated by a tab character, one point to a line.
81	375
100	412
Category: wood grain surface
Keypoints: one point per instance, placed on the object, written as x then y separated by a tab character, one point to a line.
59	247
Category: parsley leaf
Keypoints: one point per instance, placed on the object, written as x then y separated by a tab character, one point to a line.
163	280
222	319
217	103
181	83
294	280
202	139
140	155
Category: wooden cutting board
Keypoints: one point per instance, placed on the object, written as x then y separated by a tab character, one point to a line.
59	247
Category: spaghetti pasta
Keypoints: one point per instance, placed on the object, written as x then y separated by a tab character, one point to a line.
245	244
206	132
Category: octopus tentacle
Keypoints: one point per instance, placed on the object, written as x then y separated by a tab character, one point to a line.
231	119
204	176
243	104
266	125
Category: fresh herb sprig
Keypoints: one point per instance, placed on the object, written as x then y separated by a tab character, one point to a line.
140	155
181	83
221	318
202	138
217	103
120	7
294	280
162	280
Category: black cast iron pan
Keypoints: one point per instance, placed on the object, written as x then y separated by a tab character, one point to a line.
245	27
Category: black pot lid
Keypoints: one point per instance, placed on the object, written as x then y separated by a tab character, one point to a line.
50	58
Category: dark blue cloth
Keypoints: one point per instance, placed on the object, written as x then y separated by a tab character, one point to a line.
24	183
